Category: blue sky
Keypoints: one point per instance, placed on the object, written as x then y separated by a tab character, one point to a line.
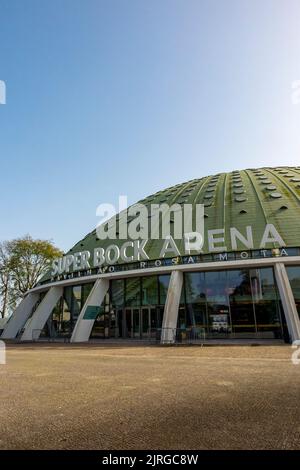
129	97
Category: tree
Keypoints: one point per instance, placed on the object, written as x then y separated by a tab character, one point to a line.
23	261
4	281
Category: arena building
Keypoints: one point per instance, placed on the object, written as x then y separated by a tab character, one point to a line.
244	282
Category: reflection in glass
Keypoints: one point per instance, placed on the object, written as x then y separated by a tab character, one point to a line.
149	290
217	303
136	323
294	277
195	288
239	303
85	292
117	292
133	292
266	303
163	281
65	314
76	302
101	327
233	303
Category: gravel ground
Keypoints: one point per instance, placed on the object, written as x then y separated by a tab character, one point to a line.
139	397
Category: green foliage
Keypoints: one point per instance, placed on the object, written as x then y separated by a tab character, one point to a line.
23	261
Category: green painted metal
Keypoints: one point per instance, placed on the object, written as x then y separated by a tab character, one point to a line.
91	312
238	199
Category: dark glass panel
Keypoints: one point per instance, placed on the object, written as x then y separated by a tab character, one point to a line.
197	315
217	303
195	288
65	313
67	306
163	287
150	290
64	328
128	323
181	317
145	312
101	327
216	287
294	277
51	328
241	305
119	323
136	323
76	303
159	316
155	318
266	303
85	292
133	292
117	292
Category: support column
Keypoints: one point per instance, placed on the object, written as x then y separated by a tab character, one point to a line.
169	323
89	312
20	316
37	321
288	302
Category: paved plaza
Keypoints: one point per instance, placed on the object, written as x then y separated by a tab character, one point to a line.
118	396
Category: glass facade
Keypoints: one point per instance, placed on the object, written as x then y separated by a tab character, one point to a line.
133	292
133	308
149	291
228	304
234	303
64	315
294	278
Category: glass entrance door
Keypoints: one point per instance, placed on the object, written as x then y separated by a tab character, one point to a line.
145	322
131	323
137	322
127	323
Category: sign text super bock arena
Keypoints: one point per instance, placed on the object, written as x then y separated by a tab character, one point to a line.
133	251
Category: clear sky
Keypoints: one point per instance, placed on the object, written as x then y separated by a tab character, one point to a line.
109	97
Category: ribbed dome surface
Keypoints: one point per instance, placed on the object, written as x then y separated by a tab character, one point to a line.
252	197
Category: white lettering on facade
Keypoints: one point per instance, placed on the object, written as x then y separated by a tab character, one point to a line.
135	250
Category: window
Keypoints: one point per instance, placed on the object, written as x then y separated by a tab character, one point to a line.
294	277
239	303
163	282
149	290
133	292
117	292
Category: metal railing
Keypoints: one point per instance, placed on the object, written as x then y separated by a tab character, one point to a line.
177	335
171	336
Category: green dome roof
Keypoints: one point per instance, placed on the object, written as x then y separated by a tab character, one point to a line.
252	197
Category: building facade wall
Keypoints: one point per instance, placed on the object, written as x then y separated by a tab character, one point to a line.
226	303
242	282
